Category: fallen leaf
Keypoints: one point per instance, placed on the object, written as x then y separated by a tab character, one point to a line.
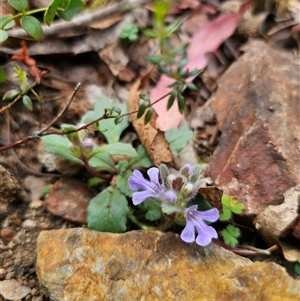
152	139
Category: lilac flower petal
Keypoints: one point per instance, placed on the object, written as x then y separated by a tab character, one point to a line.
195	219
170	196
140	196
205	235
137	181
153	173
188	233
211	215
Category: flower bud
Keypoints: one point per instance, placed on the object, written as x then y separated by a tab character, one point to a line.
187	188
87	147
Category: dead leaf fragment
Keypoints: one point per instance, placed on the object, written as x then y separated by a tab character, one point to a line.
213	195
152	139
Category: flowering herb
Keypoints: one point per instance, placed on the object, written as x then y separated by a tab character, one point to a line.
174	192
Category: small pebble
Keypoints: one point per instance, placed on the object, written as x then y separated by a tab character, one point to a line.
3	273
36	204
10	275
28	223
7	234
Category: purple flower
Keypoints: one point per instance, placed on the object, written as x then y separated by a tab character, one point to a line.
152	188
195	219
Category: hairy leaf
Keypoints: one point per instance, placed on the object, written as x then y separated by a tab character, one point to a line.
178	138
108	211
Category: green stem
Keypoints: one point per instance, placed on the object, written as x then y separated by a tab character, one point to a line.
23	14
169	222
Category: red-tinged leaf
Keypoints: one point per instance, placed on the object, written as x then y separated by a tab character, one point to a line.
208	39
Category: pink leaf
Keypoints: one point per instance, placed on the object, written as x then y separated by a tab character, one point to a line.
206	40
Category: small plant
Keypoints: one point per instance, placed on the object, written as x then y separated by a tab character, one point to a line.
230	206
129	33
108	211
14	94
170	62
169	195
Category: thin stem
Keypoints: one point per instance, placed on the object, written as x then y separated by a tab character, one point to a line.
93	172
62	112
165	226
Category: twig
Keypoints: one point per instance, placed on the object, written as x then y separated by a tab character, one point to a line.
81	20
40	133
62	112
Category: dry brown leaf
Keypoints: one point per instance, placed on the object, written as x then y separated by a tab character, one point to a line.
213	195
106	23
153	140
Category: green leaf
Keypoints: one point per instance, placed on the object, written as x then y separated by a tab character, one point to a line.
230	235
153	208
171	99
74	7
144	97
89	117
178	138
232	204
19	5
118	120
8	25
180	102
225	215
102	162
108	211
297	267
226	200
153	215
173	27
155	59
182	63
2	73
149	33
53	8
27	102
59	145
122	183
122	166
148	115
93	181
3	35
142	160
65	128
11	94
164	70
192	86
114	131
142	109
120	149
33	27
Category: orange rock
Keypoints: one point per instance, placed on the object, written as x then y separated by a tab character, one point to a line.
81	264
